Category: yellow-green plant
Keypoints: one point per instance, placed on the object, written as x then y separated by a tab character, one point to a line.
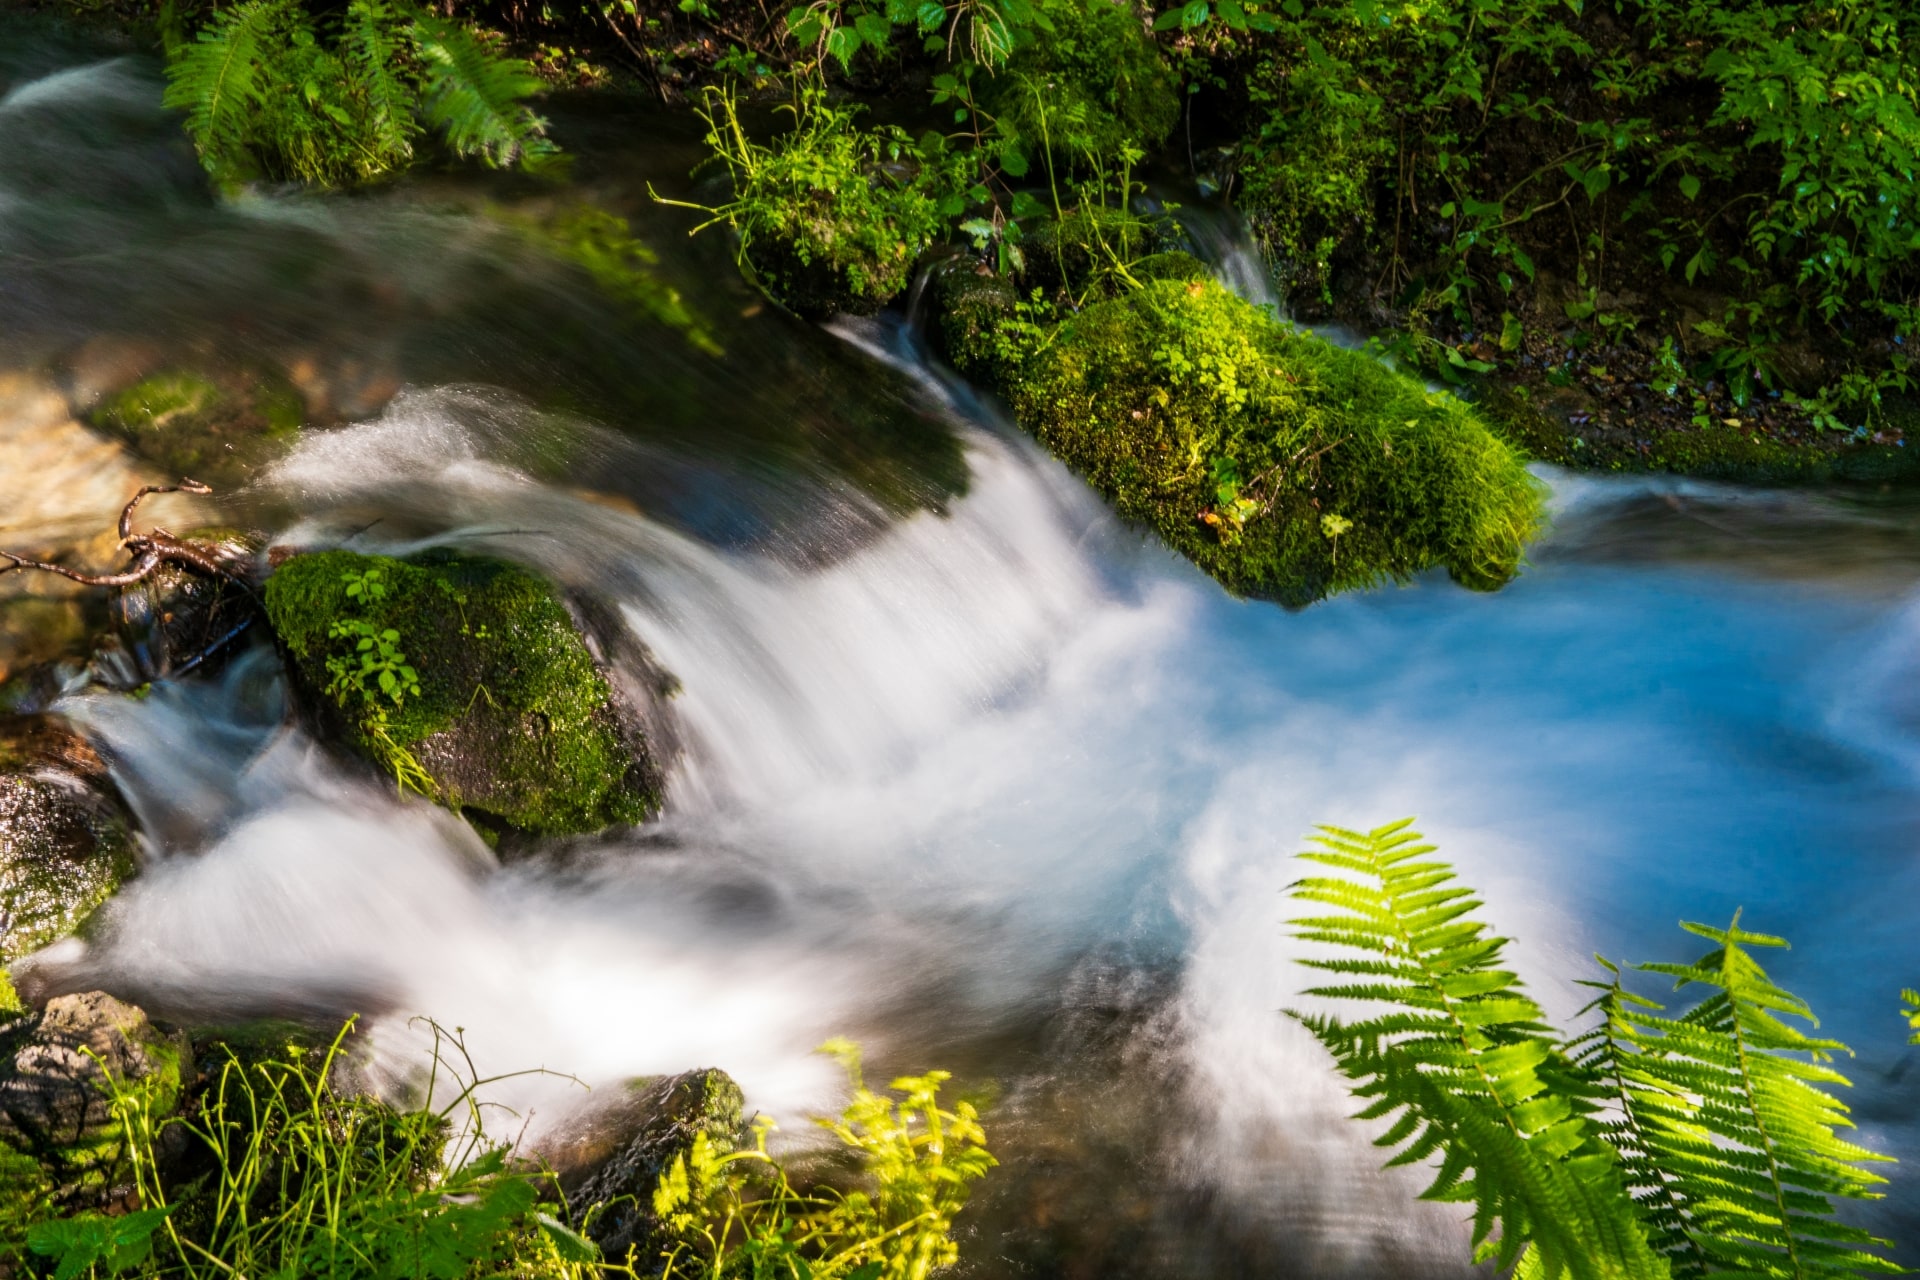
738	1214
1693	1143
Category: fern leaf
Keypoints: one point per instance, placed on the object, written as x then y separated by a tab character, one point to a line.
478	97
1462	1061
375	51
1727	1131
219	79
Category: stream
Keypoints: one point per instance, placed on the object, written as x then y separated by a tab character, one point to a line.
971	773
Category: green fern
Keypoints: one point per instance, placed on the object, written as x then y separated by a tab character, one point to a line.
219	80
476	96
377	51
1696	1144
1463	1061
1725	1127
269	94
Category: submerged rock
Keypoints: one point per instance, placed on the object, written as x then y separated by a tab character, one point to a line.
468	679
612	1156
217	425
65	845
52	1065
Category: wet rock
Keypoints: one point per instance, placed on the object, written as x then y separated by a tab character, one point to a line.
52	1107
614	1153
468	680
65	844
177	622
61	490
215	424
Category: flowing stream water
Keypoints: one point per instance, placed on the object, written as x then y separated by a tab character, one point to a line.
971	773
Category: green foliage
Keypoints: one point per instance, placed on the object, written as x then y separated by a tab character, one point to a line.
294	1177
1090	83
1758	158
1233	435
738	1214
470	671
269	92
1698	1143
830	216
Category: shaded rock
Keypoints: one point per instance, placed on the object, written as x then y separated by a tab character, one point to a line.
51	1104
468	677
614	1153
65	844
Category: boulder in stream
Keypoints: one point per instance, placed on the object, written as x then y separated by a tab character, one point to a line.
468	679
65	844
52	1108
609	1160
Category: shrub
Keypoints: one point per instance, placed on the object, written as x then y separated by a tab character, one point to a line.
1283	466
1693	1142
269	93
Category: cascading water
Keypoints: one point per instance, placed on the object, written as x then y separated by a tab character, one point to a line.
986	781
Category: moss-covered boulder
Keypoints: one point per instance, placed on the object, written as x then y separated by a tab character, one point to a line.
217	425
614	1153
65	844
1092	84
52	1107
1287	468
467	678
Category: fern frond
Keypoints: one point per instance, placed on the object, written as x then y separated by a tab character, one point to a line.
220	80
478	96
375	50
1462	1061
1726	1127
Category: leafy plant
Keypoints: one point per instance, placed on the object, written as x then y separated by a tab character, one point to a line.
375	674
269	92
297	1177
740	1214
1701	1142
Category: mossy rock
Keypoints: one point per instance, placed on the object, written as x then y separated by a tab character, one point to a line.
1094	83
65	844
512	722
636	1135
52	1106
1287	468
217	426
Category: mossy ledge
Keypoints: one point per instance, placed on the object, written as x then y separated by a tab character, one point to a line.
513	722
1286	468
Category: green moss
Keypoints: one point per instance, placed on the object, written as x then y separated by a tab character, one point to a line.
1287	468
1091	85
26	1197
217	427
10	1005
512	721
